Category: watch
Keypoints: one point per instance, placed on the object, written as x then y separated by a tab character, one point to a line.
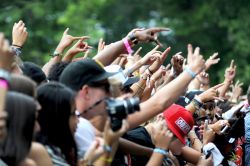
16	50
56	54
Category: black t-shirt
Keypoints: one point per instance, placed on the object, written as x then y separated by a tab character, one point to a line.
140	136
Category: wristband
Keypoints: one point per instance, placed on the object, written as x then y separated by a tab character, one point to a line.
197	103
16	50
190	72
127	46
132	38
3	84
161	151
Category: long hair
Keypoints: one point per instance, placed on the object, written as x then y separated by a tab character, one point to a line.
56	101
20	122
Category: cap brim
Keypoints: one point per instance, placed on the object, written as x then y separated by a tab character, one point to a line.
102	77
130	81
170	126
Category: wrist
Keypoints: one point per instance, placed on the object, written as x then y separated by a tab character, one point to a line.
162	151
59	49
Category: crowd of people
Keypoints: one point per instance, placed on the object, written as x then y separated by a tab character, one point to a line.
119	107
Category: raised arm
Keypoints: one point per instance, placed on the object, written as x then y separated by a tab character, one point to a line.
169	93
110	53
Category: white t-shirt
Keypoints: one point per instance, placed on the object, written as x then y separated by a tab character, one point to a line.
84	136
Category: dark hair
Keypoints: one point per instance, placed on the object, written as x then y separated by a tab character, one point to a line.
56	101
21	118
22	84
56	70
33	71
224	105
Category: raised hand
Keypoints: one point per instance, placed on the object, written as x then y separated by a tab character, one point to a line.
6	54
236	91
79	47
161	136
195	60
210	94
67	40
212	60
111	136
203	78
94	152
159	60
230	72
101	45
150	56
19	34
177	63
148	35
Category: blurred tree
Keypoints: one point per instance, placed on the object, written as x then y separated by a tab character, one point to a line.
216	26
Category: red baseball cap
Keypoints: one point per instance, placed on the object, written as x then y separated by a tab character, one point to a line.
179	121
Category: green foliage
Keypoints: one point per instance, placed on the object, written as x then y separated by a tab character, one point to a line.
215	26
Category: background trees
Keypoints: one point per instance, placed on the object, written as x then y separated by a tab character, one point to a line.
216	26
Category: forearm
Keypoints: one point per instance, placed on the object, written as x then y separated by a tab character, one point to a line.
224	88
110	53
194	85
129	147
46	68
138	88
190	155
156	159
160	101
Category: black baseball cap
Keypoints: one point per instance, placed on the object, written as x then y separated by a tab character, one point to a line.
84	72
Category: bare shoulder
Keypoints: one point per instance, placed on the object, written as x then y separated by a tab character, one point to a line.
28	162
39	154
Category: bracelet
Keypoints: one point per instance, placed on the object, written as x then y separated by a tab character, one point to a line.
17	46
190	72
127	46
16	50
197	104
56	54
149	72
161	151
108	160
132	38
107	148
139	86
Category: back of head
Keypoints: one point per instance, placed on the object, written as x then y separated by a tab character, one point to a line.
57	101
34	72
21	111
56	70
22	84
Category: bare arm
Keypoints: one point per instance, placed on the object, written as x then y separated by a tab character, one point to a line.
166	95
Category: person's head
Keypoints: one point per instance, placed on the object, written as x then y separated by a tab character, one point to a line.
22	84
89	80
57	118
179	122
21	111
56	70
33	71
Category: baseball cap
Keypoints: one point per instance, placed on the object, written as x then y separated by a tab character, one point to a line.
84	72
120	75
179	121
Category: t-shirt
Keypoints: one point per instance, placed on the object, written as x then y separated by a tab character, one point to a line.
84	136
58	159
140	136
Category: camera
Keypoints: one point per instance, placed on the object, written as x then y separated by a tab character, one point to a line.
119	109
